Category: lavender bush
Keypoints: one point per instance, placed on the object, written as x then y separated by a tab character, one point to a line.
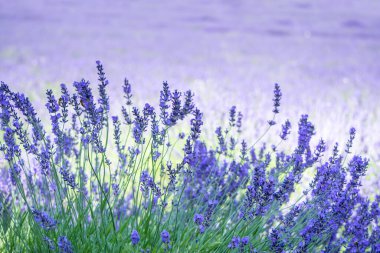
147	182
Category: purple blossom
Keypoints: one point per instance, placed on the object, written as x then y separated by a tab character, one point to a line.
350	140
285	130
305	132
271	122
11	148
140	125
135	237
43	219
52	103
104	99
198	219
196	124
276	243
188	104
14	172
176	113
276	98
63	102
68	177
165	237
235	241
127	92
221	140
232	119
65	245
244	240
239	122
165	96
147	183
320	149
243	151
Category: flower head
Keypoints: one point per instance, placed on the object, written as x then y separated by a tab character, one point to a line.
135	237
165	237
234	242
198	219
277	97
285	130
127	91
43	219
65	245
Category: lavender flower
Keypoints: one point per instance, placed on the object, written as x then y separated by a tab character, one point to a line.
237	242
43	219
127	91
176	113
135	237
11	148
321	147
188	105
23	104
165	237
148	111
63	102
14	173
232	120
357	168
140	125
374	239
350	140
44	160
172	173
276	243
198	219
277	97
239	122
285	130
165	96
147	183
52	103
221	140
271	122
201	229
211	205
68	177
245	240
87	99
196	124
104	99
65	245
234	242
305	132
243	151
181	135
117	133
126	116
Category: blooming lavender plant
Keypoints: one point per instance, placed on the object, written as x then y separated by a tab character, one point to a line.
121	183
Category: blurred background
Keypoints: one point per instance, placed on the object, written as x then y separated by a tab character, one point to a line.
324	55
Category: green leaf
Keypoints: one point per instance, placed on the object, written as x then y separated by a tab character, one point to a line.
5	212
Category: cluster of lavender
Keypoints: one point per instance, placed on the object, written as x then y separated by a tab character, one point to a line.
67	190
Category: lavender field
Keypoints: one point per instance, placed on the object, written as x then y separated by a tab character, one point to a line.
189	173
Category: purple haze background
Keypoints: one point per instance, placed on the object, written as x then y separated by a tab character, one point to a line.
324	55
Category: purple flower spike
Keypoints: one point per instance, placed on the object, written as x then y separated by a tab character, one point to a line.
165	237
135	237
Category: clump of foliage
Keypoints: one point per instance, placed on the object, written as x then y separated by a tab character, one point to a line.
143	182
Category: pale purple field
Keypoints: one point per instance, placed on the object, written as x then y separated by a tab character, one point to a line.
324	55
